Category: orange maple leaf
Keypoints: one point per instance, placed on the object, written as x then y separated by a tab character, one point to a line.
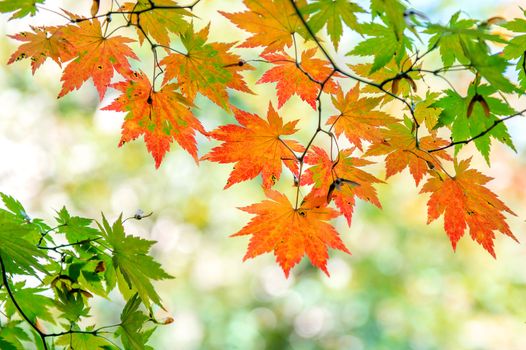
400	147
161	116
271	22
96	57
206	68
358	119
292	80
44	43
256	147
291	233
340	179
466	202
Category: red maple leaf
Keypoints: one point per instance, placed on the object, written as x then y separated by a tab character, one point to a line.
400	147
466	202
255	146
96	57
340	179
291	233
292	80
161	116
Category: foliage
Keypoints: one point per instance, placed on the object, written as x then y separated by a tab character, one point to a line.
52	273
399	44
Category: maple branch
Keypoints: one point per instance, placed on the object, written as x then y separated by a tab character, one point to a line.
347	74
56	248
495	123
44	234
318	130
428	163
290	149
152	7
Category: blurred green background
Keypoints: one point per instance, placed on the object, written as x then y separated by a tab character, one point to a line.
402	288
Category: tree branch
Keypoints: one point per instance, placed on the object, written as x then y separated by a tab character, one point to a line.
495	123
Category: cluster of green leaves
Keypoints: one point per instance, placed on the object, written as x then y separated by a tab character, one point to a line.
404	54
50	276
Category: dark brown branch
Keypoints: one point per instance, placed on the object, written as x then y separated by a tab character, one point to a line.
347	74
495	123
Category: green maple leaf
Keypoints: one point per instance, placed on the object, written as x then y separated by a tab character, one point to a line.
490	67
448	38
130	258
75	228
516	47
466	41
15	207
6	345
463	127
31	301
18	248
392	11
71	304
383	44
11	333
132	321
21	8
84	341
332	13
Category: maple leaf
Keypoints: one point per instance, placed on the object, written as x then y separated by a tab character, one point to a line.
401	86
358	119
393	13
384	44
35	305
340	180
292	80
454	114
83	341
96	57
21	8
161	116
331	13
452	40
18	248
130	257
206	68
400	147
427	112
44	43
515	47
256	147
157	23
466	202
271	22
131	330
291	233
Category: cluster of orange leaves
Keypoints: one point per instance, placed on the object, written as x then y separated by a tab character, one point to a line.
261	146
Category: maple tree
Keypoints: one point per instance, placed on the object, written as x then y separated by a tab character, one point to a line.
386	111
